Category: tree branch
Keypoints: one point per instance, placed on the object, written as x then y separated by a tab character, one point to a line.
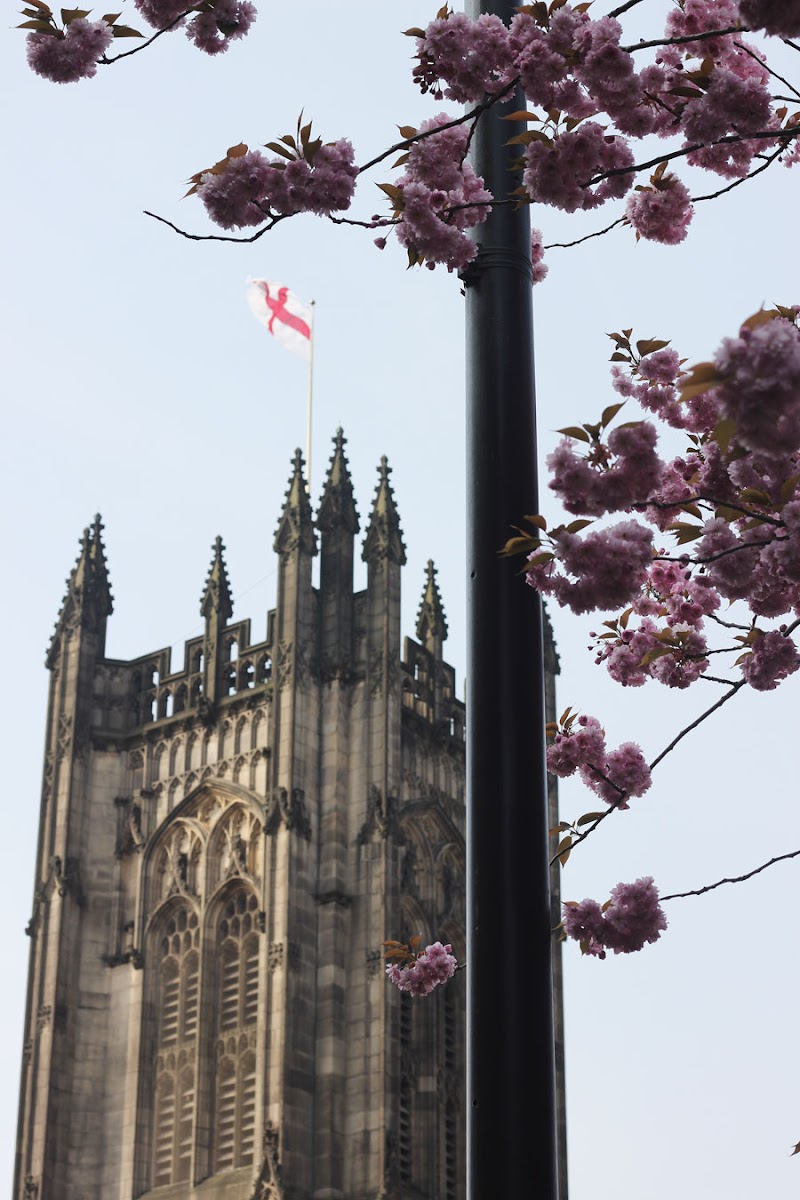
107	62
734	688
218	237
689	37
709	887
731	139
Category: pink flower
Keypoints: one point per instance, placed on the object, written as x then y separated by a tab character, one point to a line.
436	964
559	172
661	213
470	57
441	198
73	55
161	13
631	918
779	17
585	745
540	268
236	196
609	567
634	916
774	656
761	392
228	21
624	774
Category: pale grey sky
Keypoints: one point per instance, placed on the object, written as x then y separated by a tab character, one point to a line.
139	384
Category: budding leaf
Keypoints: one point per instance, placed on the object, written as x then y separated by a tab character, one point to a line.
574	431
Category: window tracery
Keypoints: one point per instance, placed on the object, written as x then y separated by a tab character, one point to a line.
202	887
177	940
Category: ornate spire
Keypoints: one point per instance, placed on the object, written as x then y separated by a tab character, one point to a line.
88	600
217	593
337	508
431	621
384	537
296	526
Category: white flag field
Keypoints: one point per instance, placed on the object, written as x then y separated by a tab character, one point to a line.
287	318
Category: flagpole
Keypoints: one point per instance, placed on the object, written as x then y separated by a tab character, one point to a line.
312	304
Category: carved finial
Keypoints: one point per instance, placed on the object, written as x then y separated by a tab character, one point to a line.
384	537
431	621
337	508
216	598
88	598
296	527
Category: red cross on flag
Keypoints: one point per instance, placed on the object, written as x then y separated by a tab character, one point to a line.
286	317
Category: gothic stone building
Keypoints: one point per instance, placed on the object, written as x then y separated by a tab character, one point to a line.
224	845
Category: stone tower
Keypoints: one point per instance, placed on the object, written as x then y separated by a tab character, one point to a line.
224	844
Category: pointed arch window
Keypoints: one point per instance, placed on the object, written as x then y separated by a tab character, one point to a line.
236	1013
177	992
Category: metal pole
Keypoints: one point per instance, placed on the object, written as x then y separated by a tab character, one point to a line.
511	1112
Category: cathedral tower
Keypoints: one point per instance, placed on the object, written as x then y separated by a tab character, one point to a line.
225	842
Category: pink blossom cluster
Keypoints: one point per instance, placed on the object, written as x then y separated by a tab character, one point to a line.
661	213
604	569
609	478
761	389
251	187
630	918
211	29
613	776
778	17
712	93
731	498
71	55
539	266
440	197
772	658
214	30
436	964
558	172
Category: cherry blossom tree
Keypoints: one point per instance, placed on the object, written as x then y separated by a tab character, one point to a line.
606	122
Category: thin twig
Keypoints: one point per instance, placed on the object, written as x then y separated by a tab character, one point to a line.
732	139
750	175
689	37
107	62
217	237
617	12
733	879
473	114
768	68
735	687
587	236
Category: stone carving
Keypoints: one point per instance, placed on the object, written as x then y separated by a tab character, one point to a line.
381	818
64	735
280	810
374	961
178	862
408	871
275	956
43	1017
31	1188
268	1183
284	664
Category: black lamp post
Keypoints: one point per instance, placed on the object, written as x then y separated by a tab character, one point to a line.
511	1111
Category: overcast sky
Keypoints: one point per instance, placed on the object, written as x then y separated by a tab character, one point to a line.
139	385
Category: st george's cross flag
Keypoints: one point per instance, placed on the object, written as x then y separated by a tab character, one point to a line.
286	317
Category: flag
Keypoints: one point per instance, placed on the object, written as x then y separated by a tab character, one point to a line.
286	317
